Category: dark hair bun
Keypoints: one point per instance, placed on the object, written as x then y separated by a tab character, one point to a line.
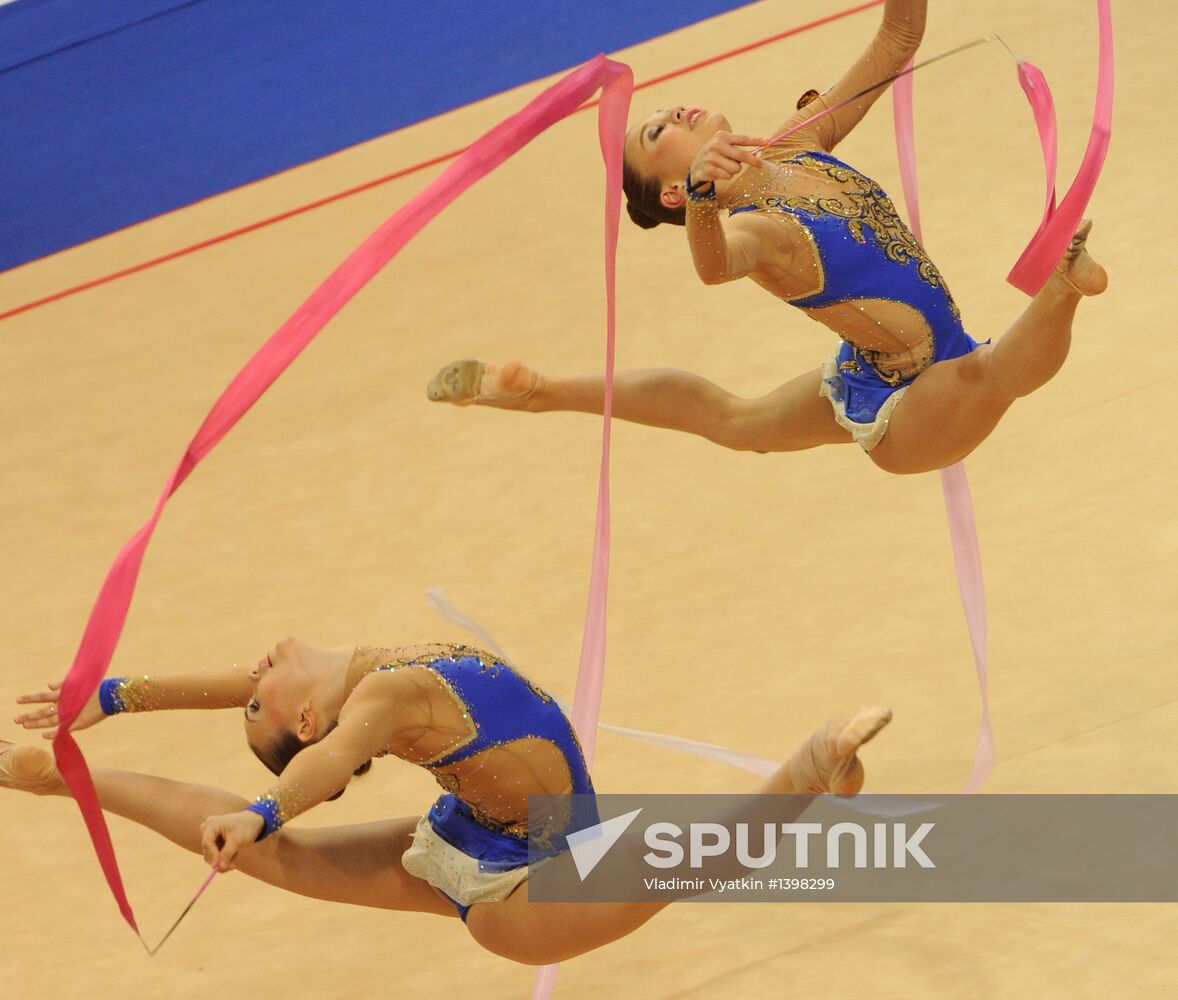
807	97
362	769
639	217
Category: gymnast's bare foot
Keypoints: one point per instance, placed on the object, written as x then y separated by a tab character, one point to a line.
29	769
1077	268
488	383
828	761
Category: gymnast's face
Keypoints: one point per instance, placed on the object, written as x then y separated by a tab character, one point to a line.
664	144
281	694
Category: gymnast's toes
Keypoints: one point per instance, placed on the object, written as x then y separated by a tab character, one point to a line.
28	769
860	728
1078	268
457	383
490	384
828	761
847	776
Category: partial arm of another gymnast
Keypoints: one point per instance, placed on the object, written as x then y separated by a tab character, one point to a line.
895	42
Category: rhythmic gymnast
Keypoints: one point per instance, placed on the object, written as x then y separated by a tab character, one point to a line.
907	383
316	716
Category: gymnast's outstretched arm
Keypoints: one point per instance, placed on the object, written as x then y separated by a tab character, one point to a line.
227	687
894	44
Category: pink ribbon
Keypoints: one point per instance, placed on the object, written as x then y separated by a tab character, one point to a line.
611	130
110	610
1032	270
1029	274
1038	260
1034	85
963	532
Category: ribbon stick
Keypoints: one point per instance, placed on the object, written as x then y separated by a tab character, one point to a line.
895	78
1038	260
183	913
963	532
110	610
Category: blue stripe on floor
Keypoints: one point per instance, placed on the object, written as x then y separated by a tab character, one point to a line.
113	113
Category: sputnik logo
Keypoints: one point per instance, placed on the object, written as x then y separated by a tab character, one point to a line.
590	845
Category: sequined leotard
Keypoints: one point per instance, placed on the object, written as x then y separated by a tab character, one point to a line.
531	739
865	252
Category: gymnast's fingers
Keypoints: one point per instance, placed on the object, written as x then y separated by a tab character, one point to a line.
39	718
210	840
720	158
713	164
739	139
731	146
40	697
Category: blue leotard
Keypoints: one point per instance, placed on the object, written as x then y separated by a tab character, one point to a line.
865	251
503	707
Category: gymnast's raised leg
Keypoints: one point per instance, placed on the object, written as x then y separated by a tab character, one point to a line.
948	410
553	932
792	417
953	406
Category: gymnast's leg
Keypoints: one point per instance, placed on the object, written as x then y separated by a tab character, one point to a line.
953	406
353	864
791	418
553	932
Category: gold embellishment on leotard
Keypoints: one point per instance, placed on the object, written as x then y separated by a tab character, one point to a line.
896	368
454	651
866	209
488	662
444	651
547	773
426	661
871	208
395	659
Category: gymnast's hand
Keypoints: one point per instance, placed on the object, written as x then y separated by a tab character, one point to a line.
223	837
720	157
46	717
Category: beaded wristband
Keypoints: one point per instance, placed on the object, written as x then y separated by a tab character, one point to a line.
126	694
697	192
109	698
267	807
